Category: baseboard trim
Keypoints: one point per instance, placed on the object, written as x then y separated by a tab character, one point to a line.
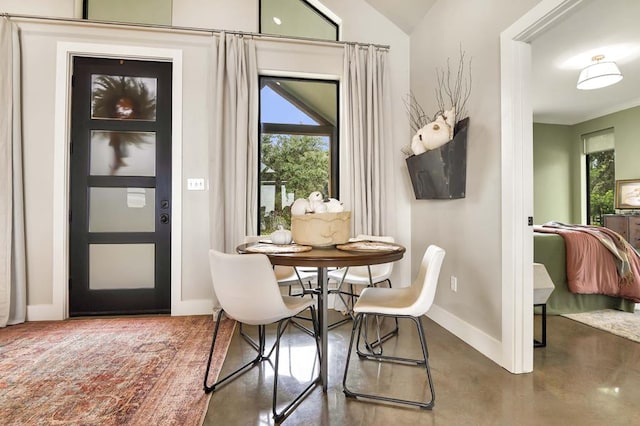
49	312
182	308
476	338
192	307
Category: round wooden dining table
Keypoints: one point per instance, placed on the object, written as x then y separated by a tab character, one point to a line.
322	259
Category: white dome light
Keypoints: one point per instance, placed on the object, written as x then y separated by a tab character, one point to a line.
600	74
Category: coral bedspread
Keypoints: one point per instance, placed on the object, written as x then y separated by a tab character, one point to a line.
599	261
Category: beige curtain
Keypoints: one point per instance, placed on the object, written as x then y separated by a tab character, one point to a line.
233	146
367	110
13	304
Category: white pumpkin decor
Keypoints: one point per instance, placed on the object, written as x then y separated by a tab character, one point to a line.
437	154
435	134
453	89
449	117
319	223
318	207
300	207
417	147
281	236
315	196
334	206
315	204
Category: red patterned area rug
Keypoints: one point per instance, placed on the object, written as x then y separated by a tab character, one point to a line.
117	371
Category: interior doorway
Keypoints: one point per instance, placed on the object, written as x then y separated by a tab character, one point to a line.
517	181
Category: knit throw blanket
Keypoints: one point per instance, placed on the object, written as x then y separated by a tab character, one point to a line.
613	241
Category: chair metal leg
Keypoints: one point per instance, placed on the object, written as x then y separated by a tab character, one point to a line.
380	339
341	293
297	324
286	411
260	345
256	360
357	326
260	348
353	296
304	292
377	343
301	282
302	327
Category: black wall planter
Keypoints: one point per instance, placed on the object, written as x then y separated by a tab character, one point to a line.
441	173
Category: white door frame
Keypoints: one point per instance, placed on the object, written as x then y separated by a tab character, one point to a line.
517	181
64	60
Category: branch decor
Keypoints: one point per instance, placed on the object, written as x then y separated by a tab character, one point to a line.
437	153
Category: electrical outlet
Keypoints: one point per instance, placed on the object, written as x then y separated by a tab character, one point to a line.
195	184
454	284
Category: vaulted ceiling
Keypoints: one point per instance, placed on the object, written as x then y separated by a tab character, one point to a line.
593	27
404	13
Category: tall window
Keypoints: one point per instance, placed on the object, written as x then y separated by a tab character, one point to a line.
298	145
298	18
600	156
138	12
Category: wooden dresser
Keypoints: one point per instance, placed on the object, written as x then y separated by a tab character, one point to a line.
627	225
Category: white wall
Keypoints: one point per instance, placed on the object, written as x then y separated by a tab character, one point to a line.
39	42
469	229
216	14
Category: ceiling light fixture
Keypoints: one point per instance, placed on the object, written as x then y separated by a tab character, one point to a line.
600	74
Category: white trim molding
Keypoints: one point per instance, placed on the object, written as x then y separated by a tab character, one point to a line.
471	335
517	182
64	60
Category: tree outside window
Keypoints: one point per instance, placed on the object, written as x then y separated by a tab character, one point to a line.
601	183
298	146
297	166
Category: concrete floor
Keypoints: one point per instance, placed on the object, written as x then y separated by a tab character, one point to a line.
583	377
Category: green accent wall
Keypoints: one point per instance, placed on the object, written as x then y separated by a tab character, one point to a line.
552	173
558	162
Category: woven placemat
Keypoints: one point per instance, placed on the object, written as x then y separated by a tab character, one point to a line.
277	248
368	246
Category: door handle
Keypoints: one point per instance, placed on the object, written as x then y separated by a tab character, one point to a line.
164	218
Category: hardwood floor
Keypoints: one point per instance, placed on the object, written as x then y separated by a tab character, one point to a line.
583	376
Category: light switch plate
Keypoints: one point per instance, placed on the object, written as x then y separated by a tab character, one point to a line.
195	184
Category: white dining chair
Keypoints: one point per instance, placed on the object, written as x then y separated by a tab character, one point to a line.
409	302
248	292
289	276
367	276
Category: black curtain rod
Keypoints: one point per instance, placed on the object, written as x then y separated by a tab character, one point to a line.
193	29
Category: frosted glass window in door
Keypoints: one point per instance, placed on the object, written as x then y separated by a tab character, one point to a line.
121	266
122	209
118	97
122	153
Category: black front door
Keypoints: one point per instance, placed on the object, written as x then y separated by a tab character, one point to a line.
120	221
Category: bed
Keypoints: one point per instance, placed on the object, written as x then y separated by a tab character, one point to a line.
550	249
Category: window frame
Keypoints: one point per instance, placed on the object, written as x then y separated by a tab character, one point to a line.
328	19
324	129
